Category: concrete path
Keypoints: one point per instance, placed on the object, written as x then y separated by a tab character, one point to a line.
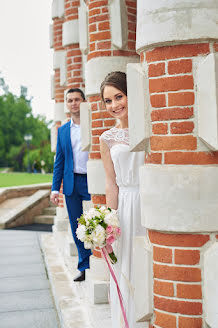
25	297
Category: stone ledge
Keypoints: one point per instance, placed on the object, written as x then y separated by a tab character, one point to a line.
73	305
25	212
20	191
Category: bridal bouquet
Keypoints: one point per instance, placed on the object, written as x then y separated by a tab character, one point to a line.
99	227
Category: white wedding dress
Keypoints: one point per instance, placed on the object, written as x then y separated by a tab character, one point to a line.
126	165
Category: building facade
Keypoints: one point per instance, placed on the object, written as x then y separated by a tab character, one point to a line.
169	50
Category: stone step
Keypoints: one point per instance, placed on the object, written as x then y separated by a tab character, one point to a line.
49	211
44	219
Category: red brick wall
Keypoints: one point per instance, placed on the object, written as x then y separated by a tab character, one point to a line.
177	278
74	55
100	44
173	101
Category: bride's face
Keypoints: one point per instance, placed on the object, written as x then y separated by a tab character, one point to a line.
116	102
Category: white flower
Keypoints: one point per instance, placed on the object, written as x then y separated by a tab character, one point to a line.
112	218
99	235
91	214
104	210
81	232
88	244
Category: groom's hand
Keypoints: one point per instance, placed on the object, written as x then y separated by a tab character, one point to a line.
54	198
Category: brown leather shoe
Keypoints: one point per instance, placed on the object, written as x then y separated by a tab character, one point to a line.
81	276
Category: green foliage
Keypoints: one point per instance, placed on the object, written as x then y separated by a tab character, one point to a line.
20	179
17	120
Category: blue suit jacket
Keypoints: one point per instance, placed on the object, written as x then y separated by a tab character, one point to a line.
63	166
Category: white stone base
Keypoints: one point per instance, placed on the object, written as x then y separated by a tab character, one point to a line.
98	269
179	198
98	291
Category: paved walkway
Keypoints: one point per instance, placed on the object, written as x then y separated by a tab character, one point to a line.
25	297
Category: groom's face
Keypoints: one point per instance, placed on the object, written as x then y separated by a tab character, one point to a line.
74	100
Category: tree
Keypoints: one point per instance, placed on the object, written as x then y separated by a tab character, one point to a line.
16	120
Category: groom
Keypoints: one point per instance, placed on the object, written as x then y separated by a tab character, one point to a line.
71	167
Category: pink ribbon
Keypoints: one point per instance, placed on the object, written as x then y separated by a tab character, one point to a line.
104	252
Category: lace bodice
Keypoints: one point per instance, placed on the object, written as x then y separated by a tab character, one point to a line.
116	136
126	163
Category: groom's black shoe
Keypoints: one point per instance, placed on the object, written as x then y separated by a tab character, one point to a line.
81	276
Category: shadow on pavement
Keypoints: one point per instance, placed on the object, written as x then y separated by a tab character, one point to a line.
34	227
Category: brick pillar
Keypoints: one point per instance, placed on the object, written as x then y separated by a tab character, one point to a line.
177	190
58	84
72	47
111	47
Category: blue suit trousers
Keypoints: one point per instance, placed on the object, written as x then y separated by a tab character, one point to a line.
74	208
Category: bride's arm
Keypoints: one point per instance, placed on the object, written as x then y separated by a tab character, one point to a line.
111	186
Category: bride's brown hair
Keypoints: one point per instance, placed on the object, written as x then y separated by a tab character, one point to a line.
116	80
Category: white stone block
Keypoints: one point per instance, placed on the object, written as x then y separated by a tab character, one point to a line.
61	8
98	269
59	62
57	8
53	138
61	213
85	126
84	61
83	28
87	204
52	87
142	278
186	196
161	21
66	110
207	100
98	291
97	68
63	69
57	58
70	33
59	114
70	246
59	237
119	23
60	224
96	177
51	36
138	108
210	286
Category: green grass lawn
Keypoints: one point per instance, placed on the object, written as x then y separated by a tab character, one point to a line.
20	179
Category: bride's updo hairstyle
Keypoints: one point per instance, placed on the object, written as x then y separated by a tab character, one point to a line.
116	80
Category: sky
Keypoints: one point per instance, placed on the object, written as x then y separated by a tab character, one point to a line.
25	55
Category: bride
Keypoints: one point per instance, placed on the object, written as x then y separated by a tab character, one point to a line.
122	193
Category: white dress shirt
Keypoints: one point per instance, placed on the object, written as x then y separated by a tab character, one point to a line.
80	157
